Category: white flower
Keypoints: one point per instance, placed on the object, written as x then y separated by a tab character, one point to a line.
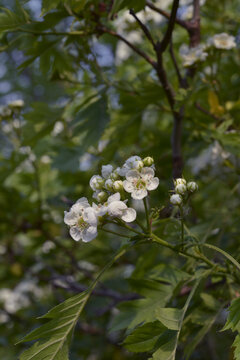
119	209
192	186
191	56
16	103
138	183
96	182
176	199
106	171
133	163
100	209
223	41
181	189
180	181
82	220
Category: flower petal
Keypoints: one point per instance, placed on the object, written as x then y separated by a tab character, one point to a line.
70	218
89	234
106	171
89	216
153	183
80	205
116	208
128	186
147	173
75	233
129	215
139	194
114	197
132	175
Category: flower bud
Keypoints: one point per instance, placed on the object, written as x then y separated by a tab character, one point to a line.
109	185
102	196
118	185
176	199
138	165
180	181
148	161
192	186
114	175
96	182
181	189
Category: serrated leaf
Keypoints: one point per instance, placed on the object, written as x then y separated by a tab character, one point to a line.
144	338
170	317
10	20
233	320
58	330
167	346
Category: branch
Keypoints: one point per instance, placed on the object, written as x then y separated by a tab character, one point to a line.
168	35
166	14
194	25
143	27
133	47
181	80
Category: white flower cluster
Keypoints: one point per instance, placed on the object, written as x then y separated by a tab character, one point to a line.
136	177
191	56
182	190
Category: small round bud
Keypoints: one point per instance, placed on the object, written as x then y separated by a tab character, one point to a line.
109	185
99	184
102	196
176	199
181	189
180	181
192	186
96	182
148	161
114	175
118	185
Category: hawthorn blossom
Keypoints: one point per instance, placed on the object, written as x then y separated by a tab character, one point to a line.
181	189
222	41
119	209
132	163
191	56
107	171
138	183
82	220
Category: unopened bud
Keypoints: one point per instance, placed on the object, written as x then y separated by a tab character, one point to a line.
114	175
181	189
192	186
148	161
118	185
102	196
109	185
180	181
176	199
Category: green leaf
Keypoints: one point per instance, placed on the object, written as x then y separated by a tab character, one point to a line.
233	320
170	317
167	346
58	330
144	338
10	20
228	256
236	346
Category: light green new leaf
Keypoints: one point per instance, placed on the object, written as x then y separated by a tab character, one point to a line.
55	336
236	346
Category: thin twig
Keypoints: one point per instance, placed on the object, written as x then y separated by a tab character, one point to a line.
168	35
166	14
143	27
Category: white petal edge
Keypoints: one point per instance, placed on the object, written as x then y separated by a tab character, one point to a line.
132	175
147	173
89	216
75	233
89	234
128	186
114	197
139	194
153	183
70	218
129	215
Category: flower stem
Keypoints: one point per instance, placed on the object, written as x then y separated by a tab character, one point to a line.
123	224
113	232
147	215
182	227
140	225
